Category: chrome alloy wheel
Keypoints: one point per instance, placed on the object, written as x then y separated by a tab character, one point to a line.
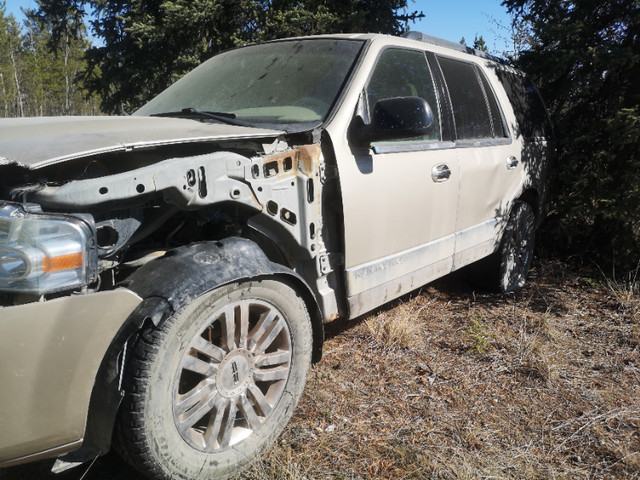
232	375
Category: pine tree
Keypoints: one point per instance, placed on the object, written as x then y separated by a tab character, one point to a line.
479	44
585	56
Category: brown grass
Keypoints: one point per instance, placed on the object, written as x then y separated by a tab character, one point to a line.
452	383
449	383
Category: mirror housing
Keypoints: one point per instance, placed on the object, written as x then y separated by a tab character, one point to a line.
394	119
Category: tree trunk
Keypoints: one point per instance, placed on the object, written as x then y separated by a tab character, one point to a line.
67	96
12	57
4	96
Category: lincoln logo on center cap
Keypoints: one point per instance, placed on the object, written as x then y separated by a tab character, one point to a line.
234	369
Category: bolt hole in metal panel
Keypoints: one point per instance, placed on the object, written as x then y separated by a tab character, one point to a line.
191	177
272	207
202	182
288	216
270	169
310	190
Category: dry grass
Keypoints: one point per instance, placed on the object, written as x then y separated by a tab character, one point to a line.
455	384
452	383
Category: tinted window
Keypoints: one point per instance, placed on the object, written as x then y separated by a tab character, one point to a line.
499	129
470	109
403	73
530	112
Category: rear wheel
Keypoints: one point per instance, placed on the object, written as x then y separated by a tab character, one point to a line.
217	383
507	268
516	248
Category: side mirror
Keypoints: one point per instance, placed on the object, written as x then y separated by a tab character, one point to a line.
394	119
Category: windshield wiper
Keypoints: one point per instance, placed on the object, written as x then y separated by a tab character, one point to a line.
190	112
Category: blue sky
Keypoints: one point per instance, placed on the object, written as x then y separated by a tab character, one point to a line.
451	19
454	19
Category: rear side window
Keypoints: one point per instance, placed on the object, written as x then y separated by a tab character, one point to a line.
403	73
475	108
527	105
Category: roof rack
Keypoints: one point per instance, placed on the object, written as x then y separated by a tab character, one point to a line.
441	42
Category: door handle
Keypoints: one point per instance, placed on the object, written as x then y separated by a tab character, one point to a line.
512	163
440	173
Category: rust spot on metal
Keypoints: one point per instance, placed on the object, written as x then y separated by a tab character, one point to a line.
309	158
305	158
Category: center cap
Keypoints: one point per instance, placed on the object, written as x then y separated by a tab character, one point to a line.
235	373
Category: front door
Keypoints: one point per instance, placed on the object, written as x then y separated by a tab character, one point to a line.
400	197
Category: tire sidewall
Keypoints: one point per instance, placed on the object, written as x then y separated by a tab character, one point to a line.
169	451
522	216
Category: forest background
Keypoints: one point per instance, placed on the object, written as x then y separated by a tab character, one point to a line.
583	55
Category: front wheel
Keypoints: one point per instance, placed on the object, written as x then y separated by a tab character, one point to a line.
216	384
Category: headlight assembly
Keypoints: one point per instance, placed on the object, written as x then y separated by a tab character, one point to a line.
43	253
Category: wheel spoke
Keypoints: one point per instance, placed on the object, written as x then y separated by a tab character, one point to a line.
250	415
244	325
275	358
260	400
207	348
229	328
261	327
215	422
194	364
228	423
270	335
192	406
271	374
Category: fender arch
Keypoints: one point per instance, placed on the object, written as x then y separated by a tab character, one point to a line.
167	285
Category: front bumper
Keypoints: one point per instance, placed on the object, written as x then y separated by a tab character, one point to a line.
50	353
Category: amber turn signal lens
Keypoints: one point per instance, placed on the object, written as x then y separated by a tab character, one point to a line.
62	262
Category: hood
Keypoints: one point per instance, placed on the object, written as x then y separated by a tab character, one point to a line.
41	141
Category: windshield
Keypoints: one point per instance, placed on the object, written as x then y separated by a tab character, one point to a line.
285	82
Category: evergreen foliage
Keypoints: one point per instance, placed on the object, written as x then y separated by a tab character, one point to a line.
37	75
585	57
146	46
479	44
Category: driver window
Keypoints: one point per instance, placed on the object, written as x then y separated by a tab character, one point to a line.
404	73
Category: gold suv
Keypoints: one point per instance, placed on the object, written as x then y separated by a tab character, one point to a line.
165	277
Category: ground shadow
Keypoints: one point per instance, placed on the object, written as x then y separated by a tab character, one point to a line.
108	467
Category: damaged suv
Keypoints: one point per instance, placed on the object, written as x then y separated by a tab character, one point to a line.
165	277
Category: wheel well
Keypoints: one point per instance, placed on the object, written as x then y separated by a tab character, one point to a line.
317	324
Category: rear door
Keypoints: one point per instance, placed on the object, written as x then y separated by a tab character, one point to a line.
491	170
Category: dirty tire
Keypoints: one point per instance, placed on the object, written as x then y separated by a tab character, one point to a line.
507	268
513	258
216	384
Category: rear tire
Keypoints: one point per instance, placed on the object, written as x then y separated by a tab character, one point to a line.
507	268
216	384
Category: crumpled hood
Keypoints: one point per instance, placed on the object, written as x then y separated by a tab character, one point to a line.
40	141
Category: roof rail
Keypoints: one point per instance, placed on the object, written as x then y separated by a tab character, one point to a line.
441	42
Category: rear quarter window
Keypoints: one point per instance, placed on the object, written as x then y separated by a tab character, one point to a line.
475	108
531	115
